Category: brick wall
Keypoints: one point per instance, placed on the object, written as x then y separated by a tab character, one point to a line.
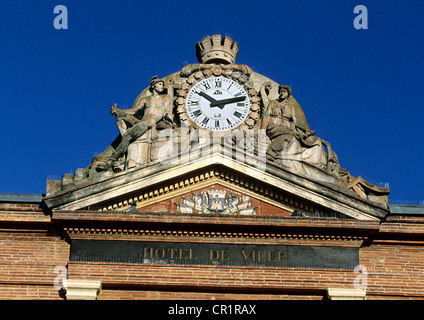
394	271
34	244
31	249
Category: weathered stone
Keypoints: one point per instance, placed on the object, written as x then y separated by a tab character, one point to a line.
346	294
53	187
79	174
159	138
79	289
67	180
214	49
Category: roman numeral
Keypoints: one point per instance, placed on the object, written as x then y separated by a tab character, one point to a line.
237	114
238	94
194	103
197	113
218	83
240	104
217	125
207	86
205	121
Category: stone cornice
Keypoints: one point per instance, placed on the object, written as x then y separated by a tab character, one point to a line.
129	183
137	220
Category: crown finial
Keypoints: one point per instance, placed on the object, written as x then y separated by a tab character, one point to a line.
214	49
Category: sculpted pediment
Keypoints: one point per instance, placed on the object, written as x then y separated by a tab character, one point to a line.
216	119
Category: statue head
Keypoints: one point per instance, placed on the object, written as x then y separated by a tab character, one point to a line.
156	84
284	92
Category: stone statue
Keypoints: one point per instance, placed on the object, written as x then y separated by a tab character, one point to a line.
291	144
148	113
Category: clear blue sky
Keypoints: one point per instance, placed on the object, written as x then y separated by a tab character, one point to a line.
361	90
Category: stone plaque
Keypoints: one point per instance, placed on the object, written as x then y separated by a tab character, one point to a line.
158	252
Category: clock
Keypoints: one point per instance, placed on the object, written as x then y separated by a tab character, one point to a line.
218	104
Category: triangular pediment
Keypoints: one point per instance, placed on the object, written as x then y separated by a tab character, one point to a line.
161	186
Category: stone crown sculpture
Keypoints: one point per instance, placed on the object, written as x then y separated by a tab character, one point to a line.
214	49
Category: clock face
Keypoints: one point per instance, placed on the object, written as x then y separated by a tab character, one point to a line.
218	104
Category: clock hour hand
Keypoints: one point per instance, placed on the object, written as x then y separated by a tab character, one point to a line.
204	95
222	103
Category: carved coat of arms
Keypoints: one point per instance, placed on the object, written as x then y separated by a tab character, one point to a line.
216	202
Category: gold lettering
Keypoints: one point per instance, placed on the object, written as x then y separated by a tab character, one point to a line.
183	254
257	256
159	253
245	255
282	256
260	258
225	255
270	258
191	255
146	253
213	254
173	251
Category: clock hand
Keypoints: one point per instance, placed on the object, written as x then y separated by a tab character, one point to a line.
222	103
214	103
204	95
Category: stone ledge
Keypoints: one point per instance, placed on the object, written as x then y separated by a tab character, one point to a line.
77	289
346	294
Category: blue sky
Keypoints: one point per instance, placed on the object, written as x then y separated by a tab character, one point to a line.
361	90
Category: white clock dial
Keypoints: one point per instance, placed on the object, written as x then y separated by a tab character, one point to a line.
218	104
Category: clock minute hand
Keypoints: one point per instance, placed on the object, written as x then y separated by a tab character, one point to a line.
223	102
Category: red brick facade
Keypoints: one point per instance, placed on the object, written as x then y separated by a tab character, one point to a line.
36	246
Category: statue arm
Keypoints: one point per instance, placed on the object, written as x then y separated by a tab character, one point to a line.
298	125
167	112
125	117
266	86
115	111
290	114
265	121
